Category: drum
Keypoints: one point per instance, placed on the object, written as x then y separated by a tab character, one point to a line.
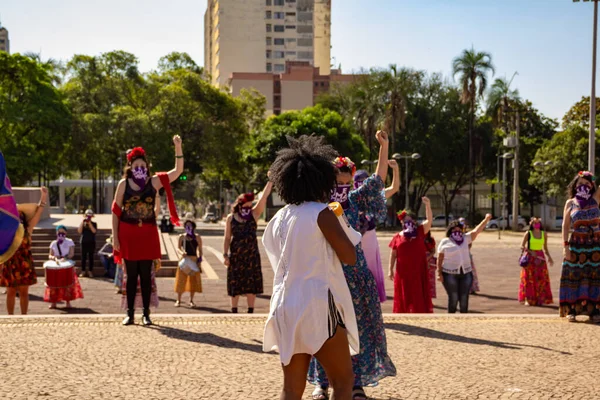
188	266
60	275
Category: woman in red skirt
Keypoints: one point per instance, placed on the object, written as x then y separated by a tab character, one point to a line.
136	240
409	255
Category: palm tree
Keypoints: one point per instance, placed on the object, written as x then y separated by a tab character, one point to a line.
500	101
472	67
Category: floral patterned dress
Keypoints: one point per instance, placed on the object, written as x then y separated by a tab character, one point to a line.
19	269
244	276
373	362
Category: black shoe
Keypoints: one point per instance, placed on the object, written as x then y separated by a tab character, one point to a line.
250	310
234	310
146	318
129	320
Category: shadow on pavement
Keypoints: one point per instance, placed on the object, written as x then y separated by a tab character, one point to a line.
208	338
433	334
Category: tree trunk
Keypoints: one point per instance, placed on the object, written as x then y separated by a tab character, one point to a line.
472	166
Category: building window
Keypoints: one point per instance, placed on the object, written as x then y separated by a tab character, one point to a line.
279	67
268	2
483	201
268	54
290	40
279	41
290	54
269	41
305	42
268	15
279	15
269	67
305	29
278	2
290	14
269	27
316	84
290	27
290	1
322	84
278	28
278	54
305	55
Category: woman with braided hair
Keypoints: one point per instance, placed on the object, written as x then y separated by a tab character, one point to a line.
135	234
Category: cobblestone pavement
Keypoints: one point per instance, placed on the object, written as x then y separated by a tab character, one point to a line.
220	357
496	261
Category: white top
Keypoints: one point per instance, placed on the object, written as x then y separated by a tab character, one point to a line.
306	269
64	248
456	257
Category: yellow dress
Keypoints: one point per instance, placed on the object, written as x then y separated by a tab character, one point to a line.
186	283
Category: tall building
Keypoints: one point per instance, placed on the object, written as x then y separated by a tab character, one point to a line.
295	89
4	42
259	36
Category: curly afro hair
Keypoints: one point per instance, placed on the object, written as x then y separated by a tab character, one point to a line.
304	172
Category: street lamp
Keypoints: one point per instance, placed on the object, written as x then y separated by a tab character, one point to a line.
369	163
592	139
505	156
542	166
398	156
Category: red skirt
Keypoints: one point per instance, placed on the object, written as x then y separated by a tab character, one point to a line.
139	242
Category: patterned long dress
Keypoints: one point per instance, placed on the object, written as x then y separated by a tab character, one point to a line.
244	275
373	363
580	277
19	269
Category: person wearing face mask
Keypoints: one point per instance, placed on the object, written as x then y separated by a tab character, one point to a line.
368	227
534	287
580	276
187	278
87	229
240	249
454	264
17	271
412	293
62	283
373	363
135	232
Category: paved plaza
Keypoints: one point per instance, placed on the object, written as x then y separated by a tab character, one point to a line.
220	357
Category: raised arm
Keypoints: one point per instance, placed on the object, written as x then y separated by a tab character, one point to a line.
175	172
428	215
479	228
227	239
259	208
392	190
566	226
39	211
118	204
382	162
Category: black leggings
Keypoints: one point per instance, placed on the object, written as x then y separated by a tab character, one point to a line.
87	253
143	269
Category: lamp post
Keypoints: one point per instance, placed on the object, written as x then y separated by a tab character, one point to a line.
505	156
398	156
368	163
542	166
592	135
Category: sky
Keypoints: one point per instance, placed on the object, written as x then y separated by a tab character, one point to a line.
548	42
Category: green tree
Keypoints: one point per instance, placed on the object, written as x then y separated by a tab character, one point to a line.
472	67
579	113
501	101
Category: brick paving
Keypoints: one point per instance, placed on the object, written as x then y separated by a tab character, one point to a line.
496	261
220	357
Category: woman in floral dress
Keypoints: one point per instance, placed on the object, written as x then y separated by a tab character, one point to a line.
534	286
373	363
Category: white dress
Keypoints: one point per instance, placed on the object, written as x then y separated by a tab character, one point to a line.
306	271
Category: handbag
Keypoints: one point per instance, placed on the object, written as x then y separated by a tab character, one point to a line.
524	260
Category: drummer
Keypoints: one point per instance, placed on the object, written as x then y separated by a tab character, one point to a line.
61	263
188	278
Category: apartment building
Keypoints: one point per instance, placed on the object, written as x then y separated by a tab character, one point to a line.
4	41
259	36
294	89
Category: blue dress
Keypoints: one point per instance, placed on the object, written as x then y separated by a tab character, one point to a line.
373	362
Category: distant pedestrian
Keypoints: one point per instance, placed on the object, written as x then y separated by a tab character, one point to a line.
455	269
87	229
240	249
534	287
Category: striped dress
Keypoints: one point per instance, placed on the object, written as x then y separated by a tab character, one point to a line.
580	278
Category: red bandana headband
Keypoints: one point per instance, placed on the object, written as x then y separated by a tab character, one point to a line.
401	215
341	162
248	197
136	152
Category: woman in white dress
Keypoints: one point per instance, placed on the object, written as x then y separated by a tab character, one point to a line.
311	313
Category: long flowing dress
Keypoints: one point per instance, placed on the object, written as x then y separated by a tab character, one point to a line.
372	253
373	363
412	293
244	275
580	277
534	286
19	269
432	263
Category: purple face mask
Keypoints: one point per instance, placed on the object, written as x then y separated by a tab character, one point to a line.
140	175
583	193
246	213
358	184
410	229
189	229
340	195
60	237
458	237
